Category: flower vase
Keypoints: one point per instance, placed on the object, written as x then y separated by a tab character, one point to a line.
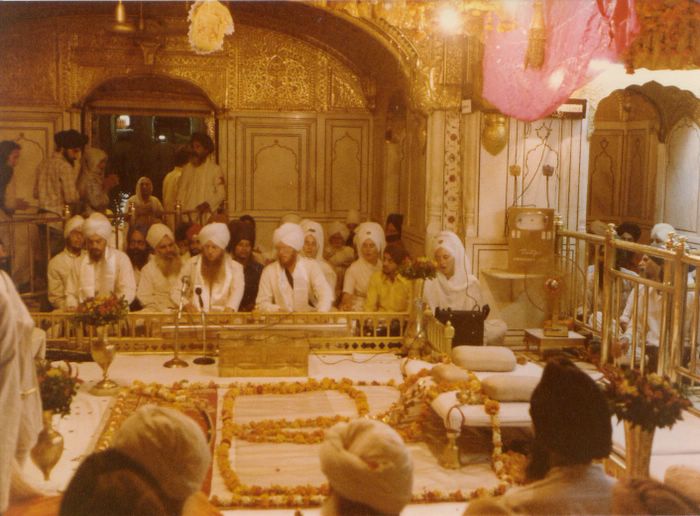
638	443
102	351
49	446
415	337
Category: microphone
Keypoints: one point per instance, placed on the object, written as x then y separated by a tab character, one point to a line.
198	291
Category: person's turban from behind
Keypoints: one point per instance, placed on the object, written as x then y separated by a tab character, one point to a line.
169	445
570	416
289	234
367	462
660	232
97	224
109	483
216	233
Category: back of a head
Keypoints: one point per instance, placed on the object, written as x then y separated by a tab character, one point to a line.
570	414
169	445
110	484
368	464
646	496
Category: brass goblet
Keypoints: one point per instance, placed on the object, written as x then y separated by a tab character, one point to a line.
103	351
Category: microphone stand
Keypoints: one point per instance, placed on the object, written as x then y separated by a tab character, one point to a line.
204	359
176	361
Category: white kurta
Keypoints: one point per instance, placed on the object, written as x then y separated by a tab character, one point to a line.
225	294
356	281
60	267
275	294
19	394
580	489
154	289
204	183
112	274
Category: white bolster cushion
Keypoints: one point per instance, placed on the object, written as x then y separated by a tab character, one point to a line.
484	358
509	388
685	480
449	373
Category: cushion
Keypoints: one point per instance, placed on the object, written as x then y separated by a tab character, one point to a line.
484	358
509	388
448	373
685	480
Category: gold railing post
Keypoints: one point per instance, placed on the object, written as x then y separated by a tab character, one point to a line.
679	286
608	266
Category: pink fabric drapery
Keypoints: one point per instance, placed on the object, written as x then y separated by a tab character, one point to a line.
577	32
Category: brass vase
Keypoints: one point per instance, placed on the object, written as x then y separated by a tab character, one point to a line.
103	351
415	337
638	443
49	446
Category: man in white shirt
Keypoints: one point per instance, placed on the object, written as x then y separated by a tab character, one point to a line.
160	275
182	156
61	265
202	187
216	281
103	270
292	283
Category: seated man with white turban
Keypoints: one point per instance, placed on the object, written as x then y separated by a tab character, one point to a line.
62	264
292	283
313	249
171	447
369	469
369	240
104	270
160	275
455	288
216	282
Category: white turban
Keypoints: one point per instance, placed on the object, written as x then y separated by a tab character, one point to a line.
93	157
660	231
372	231
97	224
366	461
451	243
290	217
156	233
598	227
338	227
217	233
353	217
314	229
289	234
73	224
170	445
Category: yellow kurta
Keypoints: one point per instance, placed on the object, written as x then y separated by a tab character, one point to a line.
385	295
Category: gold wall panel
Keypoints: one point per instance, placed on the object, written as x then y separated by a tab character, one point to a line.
604	174
636	175
347	164
29	67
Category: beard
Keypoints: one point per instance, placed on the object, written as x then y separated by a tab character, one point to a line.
96	254
169	264
138	257
212	270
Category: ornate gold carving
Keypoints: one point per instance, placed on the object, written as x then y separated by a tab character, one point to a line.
29	71
343	92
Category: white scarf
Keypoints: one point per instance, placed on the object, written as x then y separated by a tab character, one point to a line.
453	292
97	278
294	299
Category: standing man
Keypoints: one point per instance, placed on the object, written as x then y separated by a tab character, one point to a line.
202	187
56	181
218	279
61	265
182	156
160	275
293	283
104	270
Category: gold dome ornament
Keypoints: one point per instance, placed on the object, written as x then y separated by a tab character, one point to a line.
494	134
209	21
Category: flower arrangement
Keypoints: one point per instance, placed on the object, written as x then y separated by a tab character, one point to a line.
97	311
57	386
419	268
646	400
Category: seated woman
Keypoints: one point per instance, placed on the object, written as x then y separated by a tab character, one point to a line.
313	249
455	288
369	240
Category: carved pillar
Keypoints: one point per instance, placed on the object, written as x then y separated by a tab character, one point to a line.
471	125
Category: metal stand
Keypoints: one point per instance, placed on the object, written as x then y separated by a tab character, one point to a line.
176	361
205	359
